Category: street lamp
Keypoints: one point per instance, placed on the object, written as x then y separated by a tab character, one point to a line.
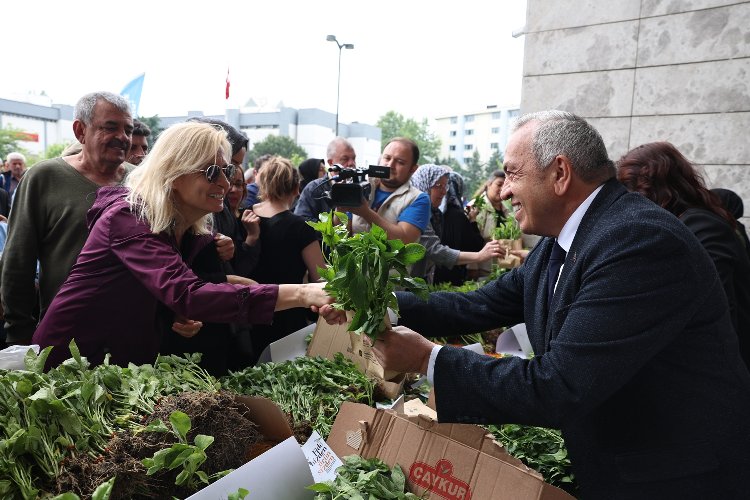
332	38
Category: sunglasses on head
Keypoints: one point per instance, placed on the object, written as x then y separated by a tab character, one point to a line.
212	172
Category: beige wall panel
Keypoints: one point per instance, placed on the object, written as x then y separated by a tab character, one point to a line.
602	93
709	139
614	132
717	86
661	7
601	47
555	14
705	35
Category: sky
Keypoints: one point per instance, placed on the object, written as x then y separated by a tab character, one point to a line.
423	59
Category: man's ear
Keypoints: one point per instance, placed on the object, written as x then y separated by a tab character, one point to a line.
79	130
562	170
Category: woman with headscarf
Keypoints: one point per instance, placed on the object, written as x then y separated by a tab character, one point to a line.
662	174
457	232
433	180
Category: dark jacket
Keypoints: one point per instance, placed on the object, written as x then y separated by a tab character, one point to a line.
636	360
109	301
732	263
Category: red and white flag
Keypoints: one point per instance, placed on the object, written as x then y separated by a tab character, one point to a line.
227	92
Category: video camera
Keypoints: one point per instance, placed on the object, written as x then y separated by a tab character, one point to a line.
350	185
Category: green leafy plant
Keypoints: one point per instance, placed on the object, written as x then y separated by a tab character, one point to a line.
361	478
181	454
240	494
541	449
308	388
362	271
507	230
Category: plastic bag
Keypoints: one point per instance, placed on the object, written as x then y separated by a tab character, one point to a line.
11	358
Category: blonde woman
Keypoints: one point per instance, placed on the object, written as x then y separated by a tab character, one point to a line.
289	248
142	239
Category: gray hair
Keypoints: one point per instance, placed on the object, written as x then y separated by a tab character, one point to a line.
15	156
334	145
85	106
569	135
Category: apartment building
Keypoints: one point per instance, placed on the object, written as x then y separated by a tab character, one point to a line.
485	131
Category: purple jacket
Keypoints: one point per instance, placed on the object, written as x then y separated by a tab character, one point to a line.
108	303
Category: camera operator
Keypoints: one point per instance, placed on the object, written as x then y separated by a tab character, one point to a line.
402	210
313	199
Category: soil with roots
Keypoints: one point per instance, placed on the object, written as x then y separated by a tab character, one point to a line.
213	414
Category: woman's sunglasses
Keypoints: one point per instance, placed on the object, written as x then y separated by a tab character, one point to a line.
212	172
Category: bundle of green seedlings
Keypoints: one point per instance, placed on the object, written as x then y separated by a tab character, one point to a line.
507	230
362	271
309	389
363	479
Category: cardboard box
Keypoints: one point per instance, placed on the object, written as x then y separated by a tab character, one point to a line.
448	461
330	339
280	472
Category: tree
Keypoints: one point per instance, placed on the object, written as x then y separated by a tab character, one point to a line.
153	123
394	124
276	145
475	173
8	141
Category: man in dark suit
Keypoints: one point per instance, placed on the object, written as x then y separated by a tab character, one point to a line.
635	357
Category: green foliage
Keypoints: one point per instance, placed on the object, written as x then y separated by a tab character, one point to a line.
310	389
541	449
240	494
393	124
507	230
475	173
181	454
361	479
55	150
153	123
9	141
74	408
276	145
363	271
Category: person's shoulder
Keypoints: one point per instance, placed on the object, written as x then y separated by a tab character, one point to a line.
46	167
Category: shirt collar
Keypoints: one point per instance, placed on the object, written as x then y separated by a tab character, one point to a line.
569	230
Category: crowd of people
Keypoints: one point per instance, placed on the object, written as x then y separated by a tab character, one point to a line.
636	298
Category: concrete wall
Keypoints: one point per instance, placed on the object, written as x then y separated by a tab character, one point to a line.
649	70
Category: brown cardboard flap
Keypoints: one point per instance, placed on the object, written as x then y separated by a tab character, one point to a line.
440	460
272	422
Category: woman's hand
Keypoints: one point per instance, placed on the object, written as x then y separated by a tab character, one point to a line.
240	280
492	249
304	295
224	246
252	225
331	315
186	327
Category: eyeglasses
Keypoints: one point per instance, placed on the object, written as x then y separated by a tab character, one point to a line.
212	172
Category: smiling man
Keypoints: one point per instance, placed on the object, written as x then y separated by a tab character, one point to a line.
402	210
635	358
48	221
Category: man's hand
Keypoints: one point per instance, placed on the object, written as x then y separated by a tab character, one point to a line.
252	225
224	246
186	327
403	350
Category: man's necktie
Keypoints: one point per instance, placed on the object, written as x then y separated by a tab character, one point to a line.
556	260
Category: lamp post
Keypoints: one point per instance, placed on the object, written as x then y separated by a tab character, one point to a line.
332	38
